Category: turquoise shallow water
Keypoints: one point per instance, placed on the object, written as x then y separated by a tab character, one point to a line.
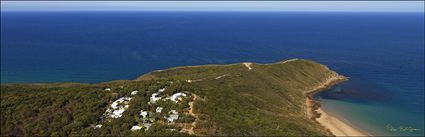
376	117
382	53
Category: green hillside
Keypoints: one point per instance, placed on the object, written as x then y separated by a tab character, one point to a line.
235	99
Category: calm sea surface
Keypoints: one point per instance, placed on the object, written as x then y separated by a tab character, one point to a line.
382	53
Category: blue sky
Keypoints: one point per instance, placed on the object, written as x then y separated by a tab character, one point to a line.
346	6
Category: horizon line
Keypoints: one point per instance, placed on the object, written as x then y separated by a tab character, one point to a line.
217	6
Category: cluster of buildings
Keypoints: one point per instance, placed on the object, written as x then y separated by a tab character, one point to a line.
117	107
146	118
173	115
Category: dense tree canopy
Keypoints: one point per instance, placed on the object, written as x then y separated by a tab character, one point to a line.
227	100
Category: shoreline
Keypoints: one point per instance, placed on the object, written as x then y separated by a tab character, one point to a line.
333	124
337	126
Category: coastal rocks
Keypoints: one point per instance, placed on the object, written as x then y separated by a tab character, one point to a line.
313	106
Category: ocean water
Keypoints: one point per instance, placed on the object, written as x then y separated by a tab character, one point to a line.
382	53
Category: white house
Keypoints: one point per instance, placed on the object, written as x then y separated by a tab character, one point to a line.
153	98
176	96
118	107
147	125
143	113
98	126
174	115
136	127
159	109
134	92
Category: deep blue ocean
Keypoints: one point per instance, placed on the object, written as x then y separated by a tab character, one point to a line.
382	53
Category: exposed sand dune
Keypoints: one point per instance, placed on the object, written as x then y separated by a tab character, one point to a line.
189	129
248	65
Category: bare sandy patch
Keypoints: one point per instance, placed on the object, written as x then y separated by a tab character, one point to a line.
219	77
337	126
248	65
189	129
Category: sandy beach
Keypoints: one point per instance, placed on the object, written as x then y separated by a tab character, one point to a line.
335	125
